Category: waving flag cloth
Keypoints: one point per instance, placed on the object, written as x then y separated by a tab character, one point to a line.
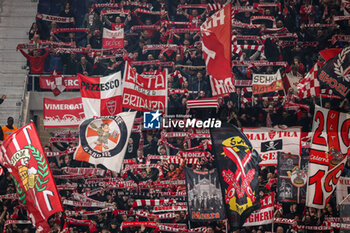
238	167
335	73
204	195
101	96
144	94
113	39
103	140
216	47
24	157
309	86
328	154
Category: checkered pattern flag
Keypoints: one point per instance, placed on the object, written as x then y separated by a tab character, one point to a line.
309	86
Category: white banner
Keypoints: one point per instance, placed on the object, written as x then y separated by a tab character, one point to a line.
269	141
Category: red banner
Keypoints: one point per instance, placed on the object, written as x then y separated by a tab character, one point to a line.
265	83
25	159
63	113
144	94
216	46
69	82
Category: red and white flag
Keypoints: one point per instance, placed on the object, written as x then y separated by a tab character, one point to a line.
328	155
203	103
113	38
101	96
144	94
216	47
309	86
24	157
63	113
103	140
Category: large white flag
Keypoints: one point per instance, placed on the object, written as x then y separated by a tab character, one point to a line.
103	140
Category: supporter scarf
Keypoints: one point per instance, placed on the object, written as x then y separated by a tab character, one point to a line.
105	5
152	202
166	23
181	30
169	208
238	48
94	192
67	187
66	132
137	4
146	214
88	213
178	91
60	153
67	140
68	177
267	4
11	196
158	47
79	222
318	25
144	166
138	10
129	161
114	12
96	204
61	30
251	64
145	27
341	38
241	9
84	171
57	19
142	63
243	25
42	44
262	17
340	18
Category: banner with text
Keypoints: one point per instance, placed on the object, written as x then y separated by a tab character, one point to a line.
269	141
144	94
265	83
63	113
328	154
204	195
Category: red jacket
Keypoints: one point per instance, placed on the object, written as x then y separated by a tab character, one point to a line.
36	63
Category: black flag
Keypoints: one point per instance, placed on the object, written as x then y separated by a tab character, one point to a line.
292	177
238	168
335	73
204	195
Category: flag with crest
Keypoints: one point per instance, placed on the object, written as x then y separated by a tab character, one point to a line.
24	158
238	167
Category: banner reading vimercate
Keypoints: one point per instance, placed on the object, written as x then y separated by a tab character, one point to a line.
269	141
144	94
63	113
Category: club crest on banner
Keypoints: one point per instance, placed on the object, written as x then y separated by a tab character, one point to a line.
103	137
111	106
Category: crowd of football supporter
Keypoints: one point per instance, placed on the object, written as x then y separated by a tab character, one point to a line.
312	21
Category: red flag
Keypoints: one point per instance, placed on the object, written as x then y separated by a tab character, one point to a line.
113	39
25	159
216	47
